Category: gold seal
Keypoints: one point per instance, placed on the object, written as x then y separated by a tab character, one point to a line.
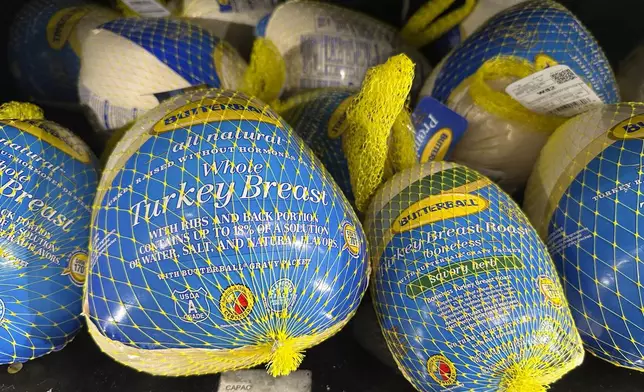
442	370
236	302
77	268
351	239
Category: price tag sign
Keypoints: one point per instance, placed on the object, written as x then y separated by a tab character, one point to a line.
261	381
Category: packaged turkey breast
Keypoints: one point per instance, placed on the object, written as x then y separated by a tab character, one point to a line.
219	242
515	80
584	197
310	44
131	65
45	46
48	180
464	290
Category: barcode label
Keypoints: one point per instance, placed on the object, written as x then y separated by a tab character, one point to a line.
556	91
572	105
563	76
147	8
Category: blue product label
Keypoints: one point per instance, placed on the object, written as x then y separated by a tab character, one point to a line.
438	129
464	288
47	185
315	120
220	230
595	239
44	52
187	49
538	31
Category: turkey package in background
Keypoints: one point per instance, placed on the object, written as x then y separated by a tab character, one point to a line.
219	242
47	185
323	45
516	79
317	120
362	138
234	22
464	290
584	197
247	12
45	46
130	65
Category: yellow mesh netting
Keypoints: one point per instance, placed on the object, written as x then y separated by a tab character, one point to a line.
523	377
403	152
423	27
21	111
499	102
370	118
266	72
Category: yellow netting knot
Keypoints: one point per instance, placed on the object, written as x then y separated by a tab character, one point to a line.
499	102
423	27
21	111
284	357
522	380
266	72
370	118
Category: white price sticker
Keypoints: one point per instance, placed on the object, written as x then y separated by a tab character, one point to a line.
147	8
556	90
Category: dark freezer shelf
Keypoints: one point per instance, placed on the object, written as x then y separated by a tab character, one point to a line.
338	365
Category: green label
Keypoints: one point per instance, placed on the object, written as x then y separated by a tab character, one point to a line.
449	273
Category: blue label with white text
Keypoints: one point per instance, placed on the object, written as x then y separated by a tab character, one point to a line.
47	185
438	129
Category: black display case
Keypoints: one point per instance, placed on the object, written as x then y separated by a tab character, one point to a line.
339	364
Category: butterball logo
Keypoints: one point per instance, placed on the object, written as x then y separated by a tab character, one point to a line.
438	208
215	110
631	128
437	146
